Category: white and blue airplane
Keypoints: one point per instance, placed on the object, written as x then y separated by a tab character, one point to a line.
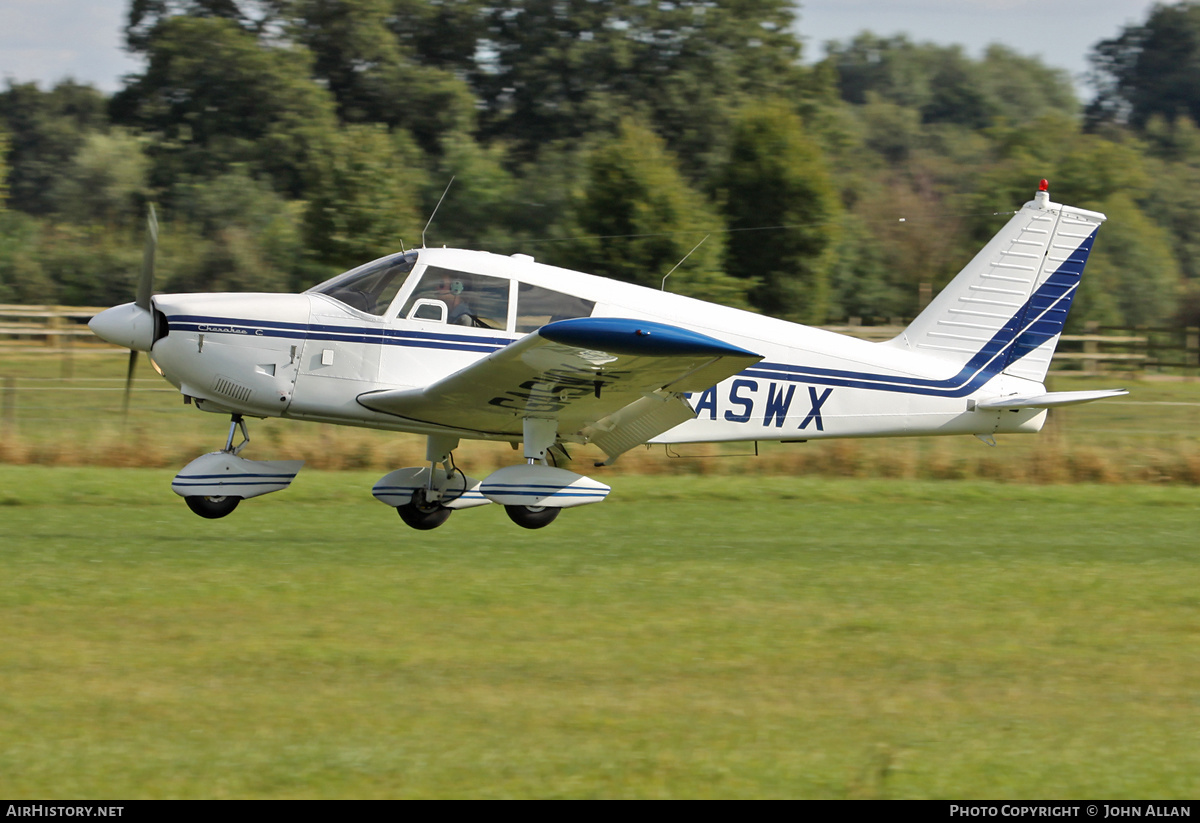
455	345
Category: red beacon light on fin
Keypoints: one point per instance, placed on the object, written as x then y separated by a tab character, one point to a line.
1042	196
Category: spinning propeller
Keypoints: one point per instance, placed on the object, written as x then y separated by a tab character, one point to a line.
133	325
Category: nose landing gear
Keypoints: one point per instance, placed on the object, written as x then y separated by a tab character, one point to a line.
214	484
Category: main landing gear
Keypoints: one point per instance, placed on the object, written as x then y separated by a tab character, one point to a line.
425	497
532	494
214	484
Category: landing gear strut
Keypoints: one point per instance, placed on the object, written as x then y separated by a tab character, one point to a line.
427	510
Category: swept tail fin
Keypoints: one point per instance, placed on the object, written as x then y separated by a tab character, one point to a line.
1005	311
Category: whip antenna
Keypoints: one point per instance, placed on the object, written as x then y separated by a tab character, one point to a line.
680	263
435	208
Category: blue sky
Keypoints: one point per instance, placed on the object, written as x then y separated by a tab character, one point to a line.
47	40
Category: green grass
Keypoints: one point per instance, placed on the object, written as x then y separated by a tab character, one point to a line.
690	637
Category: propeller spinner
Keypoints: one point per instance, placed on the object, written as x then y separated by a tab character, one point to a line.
132	325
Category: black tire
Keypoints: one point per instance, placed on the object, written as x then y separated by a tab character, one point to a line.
423	516
532	517
212	507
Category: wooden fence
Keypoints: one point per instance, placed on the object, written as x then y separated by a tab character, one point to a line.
63	330
1099	350
48	329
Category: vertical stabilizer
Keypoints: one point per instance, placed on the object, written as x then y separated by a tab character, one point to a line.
1005	311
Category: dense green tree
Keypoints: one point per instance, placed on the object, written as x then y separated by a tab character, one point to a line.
782	212
367	53
444	34
891	131
945	85
1025	88
1149	68
3	171
478	207
364	200
1173	199
214	96
539	218
232	233
106	180
1132	277
1175	141
892	68
560	69
90	265
23	279
637	218
256	17
858	276
45	130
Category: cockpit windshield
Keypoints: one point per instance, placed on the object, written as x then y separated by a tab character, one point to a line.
370	287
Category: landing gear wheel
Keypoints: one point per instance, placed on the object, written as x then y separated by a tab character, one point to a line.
421	515
532	517
212	507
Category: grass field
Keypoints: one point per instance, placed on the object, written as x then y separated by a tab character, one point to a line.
703	636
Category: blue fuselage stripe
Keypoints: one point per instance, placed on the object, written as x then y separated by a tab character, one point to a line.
334	333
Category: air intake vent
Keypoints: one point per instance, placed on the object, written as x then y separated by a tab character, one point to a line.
227	387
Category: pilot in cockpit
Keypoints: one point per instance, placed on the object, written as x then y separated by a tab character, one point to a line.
458	310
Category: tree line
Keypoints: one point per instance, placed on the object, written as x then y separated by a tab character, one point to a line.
286	140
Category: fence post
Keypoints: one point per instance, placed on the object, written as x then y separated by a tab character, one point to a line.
53	323
1091	365
8	400
67	366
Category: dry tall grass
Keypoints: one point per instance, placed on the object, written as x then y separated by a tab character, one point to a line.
1041	459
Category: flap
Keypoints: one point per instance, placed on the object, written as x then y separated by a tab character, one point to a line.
577	372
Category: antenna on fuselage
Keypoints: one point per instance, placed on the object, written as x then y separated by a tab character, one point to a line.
680	263
435	208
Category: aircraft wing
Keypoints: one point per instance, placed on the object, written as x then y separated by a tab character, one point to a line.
613	381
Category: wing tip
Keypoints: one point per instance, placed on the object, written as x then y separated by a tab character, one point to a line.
621	335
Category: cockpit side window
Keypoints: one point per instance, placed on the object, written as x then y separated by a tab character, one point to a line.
537	306
470	299
372	287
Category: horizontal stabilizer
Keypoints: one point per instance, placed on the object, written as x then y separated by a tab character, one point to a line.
1049	400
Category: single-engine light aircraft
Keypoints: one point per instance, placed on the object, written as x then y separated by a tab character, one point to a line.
455	345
